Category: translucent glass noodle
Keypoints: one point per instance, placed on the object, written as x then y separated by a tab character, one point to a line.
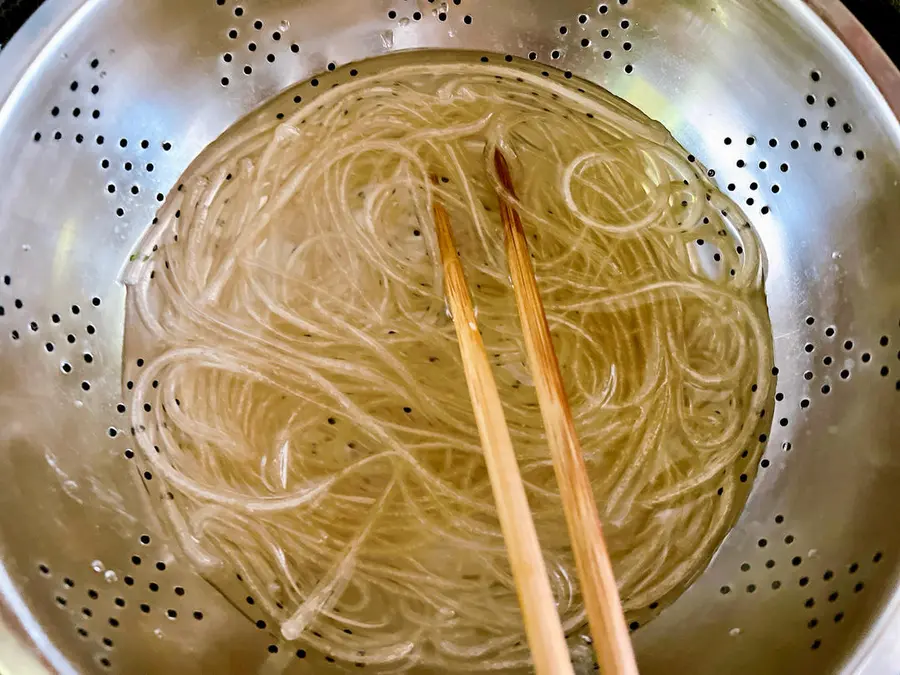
304	412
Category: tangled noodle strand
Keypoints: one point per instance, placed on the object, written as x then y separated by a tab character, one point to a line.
310	412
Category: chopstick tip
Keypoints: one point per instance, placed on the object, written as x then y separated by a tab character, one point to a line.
502	167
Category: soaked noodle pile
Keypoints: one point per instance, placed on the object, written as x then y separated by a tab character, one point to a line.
307	407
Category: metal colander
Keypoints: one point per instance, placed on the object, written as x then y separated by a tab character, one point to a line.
105	102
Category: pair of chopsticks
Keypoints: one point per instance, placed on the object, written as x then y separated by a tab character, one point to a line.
598	586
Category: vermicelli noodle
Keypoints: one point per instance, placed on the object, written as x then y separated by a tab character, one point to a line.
304	402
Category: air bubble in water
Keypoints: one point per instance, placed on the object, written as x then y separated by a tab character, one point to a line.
98	567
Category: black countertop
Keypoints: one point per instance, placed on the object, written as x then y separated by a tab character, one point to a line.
882	19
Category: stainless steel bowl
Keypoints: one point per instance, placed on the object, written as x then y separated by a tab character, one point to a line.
104	103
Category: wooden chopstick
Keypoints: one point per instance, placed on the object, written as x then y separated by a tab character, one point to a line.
542	625
598	585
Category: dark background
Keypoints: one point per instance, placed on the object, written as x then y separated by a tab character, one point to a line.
881	17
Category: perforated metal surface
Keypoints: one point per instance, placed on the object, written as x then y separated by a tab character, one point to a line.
107	102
